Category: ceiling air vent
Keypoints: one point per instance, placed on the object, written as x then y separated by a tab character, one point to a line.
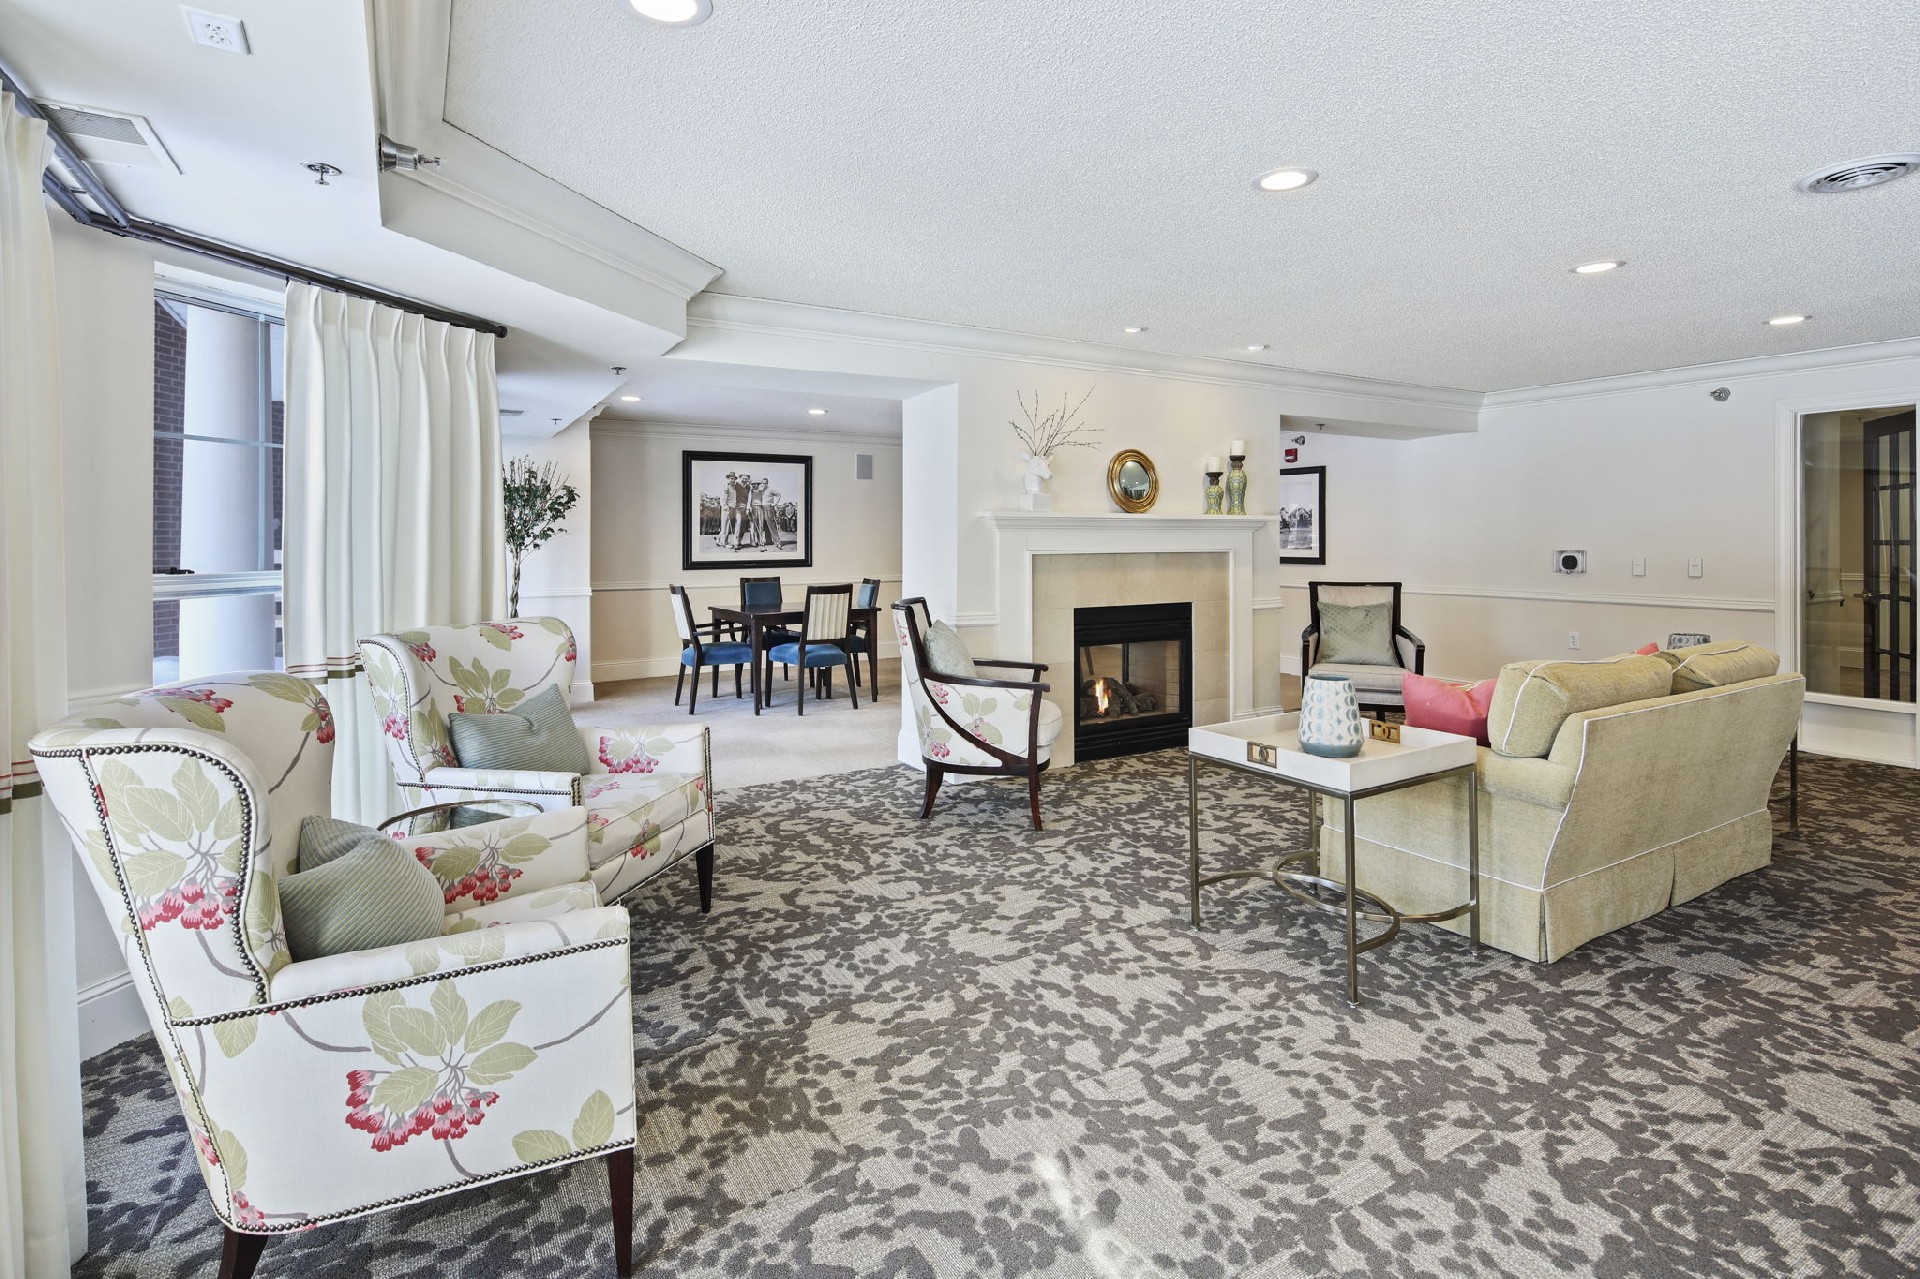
1858	175
110	137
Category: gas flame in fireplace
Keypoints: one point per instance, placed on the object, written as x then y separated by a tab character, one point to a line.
1101	695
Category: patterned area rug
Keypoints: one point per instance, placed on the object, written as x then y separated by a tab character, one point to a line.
960	1048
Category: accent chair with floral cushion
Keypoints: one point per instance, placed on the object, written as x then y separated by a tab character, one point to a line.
320	1089
1354	629
648	793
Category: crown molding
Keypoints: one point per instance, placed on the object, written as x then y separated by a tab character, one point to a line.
611	425
1858	355
1107	520
723	312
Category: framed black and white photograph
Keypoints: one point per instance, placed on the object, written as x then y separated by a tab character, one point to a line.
746	510
1303	515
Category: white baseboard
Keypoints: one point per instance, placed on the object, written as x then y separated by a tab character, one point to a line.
580	692
110	1014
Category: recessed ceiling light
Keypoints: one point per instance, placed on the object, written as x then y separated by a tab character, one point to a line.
816	412
674	13
1135	328
630	399
1256	346
1597	268
1780	320
1285	179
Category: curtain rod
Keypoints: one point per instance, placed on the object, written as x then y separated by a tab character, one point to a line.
116	220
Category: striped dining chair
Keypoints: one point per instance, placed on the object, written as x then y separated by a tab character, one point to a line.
821	645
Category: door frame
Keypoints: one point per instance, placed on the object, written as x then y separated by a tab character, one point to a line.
1830	724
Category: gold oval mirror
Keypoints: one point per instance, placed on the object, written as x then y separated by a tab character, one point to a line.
1132	481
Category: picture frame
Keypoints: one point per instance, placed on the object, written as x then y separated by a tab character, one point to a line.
745	510
1303	515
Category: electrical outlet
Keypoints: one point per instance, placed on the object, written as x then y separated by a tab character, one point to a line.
217	31
1573	639
1639	566
1696	568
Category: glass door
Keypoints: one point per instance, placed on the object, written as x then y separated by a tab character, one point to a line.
1858	616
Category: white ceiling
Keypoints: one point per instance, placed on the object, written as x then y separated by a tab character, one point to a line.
1066	169
721	395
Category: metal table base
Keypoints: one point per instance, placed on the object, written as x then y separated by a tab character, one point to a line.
1302	884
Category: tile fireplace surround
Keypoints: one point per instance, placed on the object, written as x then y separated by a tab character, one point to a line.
1049	564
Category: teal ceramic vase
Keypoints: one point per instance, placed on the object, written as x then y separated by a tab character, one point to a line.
1330	718
1237	486
1214	493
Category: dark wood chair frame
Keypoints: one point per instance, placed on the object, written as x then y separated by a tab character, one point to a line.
1010	765
865	637
786	672
719	630
823	675
1310	637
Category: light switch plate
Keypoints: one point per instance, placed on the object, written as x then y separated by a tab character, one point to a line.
1696	568
1639	566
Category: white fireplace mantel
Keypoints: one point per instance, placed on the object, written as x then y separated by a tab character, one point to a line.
1021	535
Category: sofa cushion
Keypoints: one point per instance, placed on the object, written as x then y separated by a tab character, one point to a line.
377	895
1051	722
1447	707
1378	683
1717	665
1359	634
628	812
1532	699
947	653
537	735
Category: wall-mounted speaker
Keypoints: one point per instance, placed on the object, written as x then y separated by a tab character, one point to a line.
863	466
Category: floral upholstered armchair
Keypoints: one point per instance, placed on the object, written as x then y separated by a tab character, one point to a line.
649	798
974	725
326	1088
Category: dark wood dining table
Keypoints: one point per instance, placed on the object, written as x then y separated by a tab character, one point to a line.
757	619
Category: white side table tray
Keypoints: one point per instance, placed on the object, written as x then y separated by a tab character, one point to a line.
1269	747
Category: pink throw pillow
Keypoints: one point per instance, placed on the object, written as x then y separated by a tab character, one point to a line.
1647	650
1448	708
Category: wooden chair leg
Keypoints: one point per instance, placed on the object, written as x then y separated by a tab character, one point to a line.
239	1254
1033	793
935	775
716	681
703	865
873	672
736	681
679	684
800	692
693	696
853	681
620	1186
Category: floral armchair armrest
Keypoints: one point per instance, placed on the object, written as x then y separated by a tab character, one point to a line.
298	1108
682	748
548	789
497	860
982	722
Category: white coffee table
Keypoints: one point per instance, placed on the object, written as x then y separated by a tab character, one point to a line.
1269	747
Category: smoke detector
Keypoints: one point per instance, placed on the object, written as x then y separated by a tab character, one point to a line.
1858	175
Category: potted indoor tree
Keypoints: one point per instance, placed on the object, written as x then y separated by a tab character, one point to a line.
537	501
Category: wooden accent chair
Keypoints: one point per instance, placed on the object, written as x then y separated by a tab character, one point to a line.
760	591
1395	649
977	726
861	637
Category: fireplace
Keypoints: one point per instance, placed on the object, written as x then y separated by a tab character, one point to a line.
1133	672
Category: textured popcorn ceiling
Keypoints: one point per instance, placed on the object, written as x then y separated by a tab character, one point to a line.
1069	168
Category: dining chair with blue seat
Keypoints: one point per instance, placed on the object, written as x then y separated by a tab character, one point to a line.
765	592
701	647
821	645
861	633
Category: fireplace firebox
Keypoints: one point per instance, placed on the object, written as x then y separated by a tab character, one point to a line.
1133	668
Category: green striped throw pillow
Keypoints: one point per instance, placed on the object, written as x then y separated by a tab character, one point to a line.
325	839
538	736
377	895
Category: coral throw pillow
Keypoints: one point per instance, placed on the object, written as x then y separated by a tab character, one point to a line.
1448	708
1648	650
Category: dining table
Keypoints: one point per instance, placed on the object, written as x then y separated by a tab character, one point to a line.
757	619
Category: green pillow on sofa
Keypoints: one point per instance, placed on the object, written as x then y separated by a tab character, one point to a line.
376	895
1357	634
536	736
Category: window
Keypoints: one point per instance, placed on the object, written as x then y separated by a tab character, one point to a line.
218	442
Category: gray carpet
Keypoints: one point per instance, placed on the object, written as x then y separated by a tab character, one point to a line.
961	1048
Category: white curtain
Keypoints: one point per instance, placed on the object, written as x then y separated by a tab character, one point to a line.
43	1204
393	507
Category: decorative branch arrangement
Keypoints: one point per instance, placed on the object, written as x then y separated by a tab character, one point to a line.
537	501
1041	436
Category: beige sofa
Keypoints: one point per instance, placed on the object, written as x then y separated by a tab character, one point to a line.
1609	795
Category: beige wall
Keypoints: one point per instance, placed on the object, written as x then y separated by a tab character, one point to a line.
636	543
